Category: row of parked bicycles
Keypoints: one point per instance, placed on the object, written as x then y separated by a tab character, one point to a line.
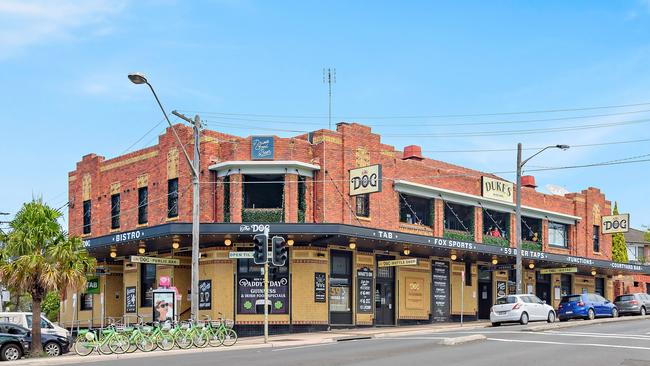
119	339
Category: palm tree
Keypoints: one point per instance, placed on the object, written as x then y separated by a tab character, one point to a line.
38	257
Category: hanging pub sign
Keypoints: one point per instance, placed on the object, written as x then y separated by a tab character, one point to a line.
205	294
365	180
497	189
364	290
130	300
616	224
262	148
92	285
320	287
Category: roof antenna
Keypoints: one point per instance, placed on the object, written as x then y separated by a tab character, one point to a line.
329	78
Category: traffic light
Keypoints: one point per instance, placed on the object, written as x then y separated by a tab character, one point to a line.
279	249
260	248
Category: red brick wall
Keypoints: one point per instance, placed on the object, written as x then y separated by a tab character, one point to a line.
336	152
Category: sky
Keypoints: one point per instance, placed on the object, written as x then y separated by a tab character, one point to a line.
445	75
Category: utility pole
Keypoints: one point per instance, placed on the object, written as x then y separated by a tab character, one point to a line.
196	211
518	268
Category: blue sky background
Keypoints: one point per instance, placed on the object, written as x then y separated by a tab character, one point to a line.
64	93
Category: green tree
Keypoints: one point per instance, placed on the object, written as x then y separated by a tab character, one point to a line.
51	305
619	249
38	257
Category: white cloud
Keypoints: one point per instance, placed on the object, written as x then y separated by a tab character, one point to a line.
26	23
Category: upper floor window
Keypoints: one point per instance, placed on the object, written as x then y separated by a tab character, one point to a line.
557	235
596	238
115	211
226	198
635	253
459	217
363	205
143	205
263	191
87	215
415	210
172	198
531	229
496	224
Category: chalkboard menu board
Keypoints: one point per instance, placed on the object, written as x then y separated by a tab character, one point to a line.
440	298
205	294
130	300
320	287
364	290
501	288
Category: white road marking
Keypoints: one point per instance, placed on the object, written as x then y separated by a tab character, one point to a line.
607	335
570	344
406	338
305	346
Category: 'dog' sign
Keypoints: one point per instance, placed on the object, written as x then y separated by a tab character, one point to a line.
616	224
365	180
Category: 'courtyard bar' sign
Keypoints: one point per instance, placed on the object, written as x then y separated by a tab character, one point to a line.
154	260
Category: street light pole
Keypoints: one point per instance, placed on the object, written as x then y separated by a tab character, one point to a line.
520	165
138	78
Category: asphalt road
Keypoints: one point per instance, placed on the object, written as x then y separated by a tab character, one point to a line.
624	343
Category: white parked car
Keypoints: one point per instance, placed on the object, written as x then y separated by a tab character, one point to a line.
522	309
25	320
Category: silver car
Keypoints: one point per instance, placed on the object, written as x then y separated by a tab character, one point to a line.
521	309
633	304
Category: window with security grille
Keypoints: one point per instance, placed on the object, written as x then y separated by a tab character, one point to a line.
172	198
496	224
143	205
596	238
363	205
459	217
115	211
87	215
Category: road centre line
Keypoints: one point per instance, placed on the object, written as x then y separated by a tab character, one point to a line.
569	344
598	335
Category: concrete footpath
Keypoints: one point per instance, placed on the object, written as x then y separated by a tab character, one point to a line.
283	340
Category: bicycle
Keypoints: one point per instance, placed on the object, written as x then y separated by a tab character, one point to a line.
138	337
162	337
110	342
189	334
220	332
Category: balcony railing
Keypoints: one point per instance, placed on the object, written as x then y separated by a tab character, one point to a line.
498	241
262	215
458	235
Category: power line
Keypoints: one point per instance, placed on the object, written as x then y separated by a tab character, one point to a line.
557	110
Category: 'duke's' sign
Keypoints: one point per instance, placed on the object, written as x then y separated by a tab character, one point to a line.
497	189
616	224
365	180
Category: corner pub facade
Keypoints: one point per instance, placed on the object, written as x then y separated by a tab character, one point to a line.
428	235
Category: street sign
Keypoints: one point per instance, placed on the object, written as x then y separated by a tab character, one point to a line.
559	270
398	262
155	260
240	255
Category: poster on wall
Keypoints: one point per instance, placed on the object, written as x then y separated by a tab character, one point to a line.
414	293
205	294
251	296
130	300
364	290
501	288
163	305
320	287
440	288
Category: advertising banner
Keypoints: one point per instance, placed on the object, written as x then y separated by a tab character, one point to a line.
251	296
130	300
163	305
320	287
205	294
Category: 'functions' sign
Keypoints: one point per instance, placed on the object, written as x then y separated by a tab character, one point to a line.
262	148
497	189
365	180
616	224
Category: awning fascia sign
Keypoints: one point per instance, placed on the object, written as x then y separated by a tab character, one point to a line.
559	270
398	262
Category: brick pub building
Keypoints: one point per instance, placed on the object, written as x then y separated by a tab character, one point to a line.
455	224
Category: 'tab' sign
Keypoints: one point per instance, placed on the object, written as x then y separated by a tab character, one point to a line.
365	180
616	224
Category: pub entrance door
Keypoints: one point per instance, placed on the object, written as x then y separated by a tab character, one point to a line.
385	294
485	292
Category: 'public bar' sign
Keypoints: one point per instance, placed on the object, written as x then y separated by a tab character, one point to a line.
154	260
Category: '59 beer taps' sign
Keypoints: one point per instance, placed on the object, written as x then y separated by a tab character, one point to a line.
365	180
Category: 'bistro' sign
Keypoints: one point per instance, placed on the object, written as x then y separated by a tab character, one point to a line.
365	180
497	189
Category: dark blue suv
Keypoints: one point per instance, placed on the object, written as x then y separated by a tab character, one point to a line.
585	306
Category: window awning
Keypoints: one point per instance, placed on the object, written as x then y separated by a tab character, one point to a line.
226	168
426	191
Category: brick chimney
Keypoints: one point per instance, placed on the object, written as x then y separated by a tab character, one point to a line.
528	181
413	152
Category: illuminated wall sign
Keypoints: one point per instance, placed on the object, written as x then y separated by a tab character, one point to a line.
365	180
497	189
616	224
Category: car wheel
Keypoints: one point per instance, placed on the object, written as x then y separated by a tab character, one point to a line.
496	324
11	352
524	319
614	313
52	349
642	311
591	315
551	317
